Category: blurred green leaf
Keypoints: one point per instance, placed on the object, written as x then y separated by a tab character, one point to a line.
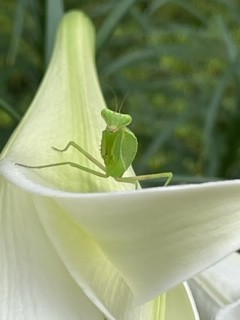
10	110
118	12
161	137
17	30
54	13
188	7
211	147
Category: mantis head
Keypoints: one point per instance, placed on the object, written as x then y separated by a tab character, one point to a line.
115	120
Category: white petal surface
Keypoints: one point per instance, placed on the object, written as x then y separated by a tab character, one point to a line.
217	290
159	237
154	238
34	282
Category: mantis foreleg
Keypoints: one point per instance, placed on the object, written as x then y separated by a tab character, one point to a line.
81	150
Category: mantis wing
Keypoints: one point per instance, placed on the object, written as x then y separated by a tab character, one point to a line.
118	150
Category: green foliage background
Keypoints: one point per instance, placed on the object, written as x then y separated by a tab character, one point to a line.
177	61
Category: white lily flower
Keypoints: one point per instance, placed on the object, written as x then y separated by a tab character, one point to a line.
70	249
217	290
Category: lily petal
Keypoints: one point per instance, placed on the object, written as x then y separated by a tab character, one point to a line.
34	282
217	290
157	248
38	282
142	251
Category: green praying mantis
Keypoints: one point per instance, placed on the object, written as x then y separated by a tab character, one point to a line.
118	149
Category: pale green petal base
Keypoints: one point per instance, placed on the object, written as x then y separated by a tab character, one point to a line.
180	304
176	304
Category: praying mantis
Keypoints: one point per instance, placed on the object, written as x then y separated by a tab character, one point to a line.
118	149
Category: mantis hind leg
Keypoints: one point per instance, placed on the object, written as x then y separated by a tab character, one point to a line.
82	151
136	179
72	164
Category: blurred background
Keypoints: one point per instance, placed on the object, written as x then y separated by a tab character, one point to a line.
177	62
